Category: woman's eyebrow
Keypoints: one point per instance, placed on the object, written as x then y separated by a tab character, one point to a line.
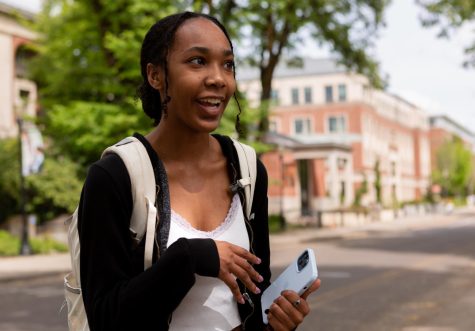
205	50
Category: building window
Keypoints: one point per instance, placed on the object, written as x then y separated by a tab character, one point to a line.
329	93
336	124
302	126
342	92
274	95
308	94
393	168
272	126
295	96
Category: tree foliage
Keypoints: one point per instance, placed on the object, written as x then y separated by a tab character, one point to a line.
87	70
453	167
377	181
9	178
450	15
271	29
54	190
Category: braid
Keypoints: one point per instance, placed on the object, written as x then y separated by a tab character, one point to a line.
237	125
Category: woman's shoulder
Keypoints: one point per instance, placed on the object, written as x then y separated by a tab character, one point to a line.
108	172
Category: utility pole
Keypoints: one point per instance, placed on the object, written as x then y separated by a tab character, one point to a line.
25	248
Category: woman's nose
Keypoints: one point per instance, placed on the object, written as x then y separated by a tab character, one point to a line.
215	77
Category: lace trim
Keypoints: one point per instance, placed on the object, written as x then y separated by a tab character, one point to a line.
228	220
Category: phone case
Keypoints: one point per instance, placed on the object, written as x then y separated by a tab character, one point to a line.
290	279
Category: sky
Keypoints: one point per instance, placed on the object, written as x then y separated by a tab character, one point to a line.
422	68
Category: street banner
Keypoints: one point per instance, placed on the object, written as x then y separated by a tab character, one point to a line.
31	149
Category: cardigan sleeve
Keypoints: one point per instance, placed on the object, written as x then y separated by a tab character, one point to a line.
117	293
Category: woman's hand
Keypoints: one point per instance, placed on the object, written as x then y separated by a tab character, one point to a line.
235	262
289	309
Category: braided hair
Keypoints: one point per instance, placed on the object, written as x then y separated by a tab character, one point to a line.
155	46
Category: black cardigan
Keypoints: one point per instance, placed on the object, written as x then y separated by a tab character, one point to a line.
118	294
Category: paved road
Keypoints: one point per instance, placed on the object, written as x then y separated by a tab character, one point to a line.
410	278
33	305
405	279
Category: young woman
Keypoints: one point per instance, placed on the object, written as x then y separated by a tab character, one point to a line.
212	257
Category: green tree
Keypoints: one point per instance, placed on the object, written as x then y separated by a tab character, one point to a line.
87	70
54	190
271	29
450	15
453	167
377	181
360	192
9	178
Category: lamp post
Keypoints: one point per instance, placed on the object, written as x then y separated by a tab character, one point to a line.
25	248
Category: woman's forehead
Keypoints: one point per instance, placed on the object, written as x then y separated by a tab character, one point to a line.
198	32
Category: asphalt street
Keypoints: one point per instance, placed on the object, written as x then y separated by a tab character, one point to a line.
410	278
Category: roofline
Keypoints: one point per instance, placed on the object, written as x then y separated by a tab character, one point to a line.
13	11
451	121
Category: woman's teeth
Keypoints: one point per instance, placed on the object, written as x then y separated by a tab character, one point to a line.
211	101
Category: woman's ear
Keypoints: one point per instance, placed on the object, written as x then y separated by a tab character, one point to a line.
154	76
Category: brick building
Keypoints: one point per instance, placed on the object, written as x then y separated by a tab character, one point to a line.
331	130
18	94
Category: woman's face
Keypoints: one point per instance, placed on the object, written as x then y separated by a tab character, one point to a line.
200	76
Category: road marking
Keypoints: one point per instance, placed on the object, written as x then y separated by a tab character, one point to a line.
427	328
334	274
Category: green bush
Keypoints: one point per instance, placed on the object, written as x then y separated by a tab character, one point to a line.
47	245
9	244
274	224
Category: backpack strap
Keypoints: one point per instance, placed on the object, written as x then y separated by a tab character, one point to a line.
144	217
248	166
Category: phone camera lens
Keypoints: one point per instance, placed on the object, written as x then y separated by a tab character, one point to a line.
302	261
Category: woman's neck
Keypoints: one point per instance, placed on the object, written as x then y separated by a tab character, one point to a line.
179	145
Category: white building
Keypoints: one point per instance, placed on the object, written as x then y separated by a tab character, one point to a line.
17	93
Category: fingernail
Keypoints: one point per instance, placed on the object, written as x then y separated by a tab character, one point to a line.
257	291
260	279
258	261
241	300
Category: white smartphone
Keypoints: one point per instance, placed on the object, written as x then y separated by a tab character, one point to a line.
298	276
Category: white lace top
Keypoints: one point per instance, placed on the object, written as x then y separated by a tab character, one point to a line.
209	305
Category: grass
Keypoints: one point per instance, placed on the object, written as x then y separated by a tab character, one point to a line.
10	245
274	225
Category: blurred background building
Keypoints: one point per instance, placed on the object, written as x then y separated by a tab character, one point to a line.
341	143
17	93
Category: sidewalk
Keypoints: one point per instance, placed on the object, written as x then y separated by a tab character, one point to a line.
411	222
33	266
21	267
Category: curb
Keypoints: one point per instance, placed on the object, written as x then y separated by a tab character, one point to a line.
33	266
14	277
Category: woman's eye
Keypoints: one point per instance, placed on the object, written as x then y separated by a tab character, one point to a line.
229	65
197	60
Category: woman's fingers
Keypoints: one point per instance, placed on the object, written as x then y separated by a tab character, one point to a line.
231	282
279	319
245	254
288	311
315	286
235	262
294	305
